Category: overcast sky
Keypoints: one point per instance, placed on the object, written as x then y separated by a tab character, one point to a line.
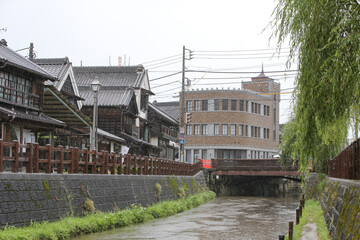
96	33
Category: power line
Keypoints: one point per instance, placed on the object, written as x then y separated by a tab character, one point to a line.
177	55
236	58
165	84
244	50
203	71
164	76
165	64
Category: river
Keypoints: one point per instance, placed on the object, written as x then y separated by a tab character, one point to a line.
223	218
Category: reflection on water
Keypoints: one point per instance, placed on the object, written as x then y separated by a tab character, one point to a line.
223	218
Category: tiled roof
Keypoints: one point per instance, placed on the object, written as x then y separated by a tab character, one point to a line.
32	117
170	108
10	57
110	136
111	97
110	76
163	114
56	66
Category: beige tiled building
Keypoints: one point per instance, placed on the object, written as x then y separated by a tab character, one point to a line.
233	123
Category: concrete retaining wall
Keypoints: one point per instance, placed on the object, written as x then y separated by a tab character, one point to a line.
39	197
340	201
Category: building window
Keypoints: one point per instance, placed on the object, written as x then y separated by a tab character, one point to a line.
205	105
188	130
247	130
258	132
252	131
196	156
204	129
189	105
17	89
224	129
204	154
233	129
196	129
252	107
197	105
265	133
188	156
265	110
225	104
247	106
268	133
241	130
233	105
216	104
216	129
268	110
241	105
256	108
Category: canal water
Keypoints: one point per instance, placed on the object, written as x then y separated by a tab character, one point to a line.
223	218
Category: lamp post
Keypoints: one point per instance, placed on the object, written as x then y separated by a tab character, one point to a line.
95	86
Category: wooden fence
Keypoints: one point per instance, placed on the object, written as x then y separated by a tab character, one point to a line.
15	157
347	163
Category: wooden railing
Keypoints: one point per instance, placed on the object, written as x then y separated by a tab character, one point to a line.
347	163
271	164
33	158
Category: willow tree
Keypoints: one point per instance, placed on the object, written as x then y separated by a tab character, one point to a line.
324	38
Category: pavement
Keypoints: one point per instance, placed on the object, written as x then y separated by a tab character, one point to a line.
309	232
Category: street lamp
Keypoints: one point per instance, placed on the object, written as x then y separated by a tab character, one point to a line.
95	86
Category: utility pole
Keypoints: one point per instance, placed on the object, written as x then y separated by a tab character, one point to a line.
182	125
182	118
31	51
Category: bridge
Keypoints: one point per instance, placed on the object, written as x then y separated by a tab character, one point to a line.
253	167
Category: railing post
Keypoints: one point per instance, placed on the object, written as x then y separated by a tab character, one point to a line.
291	229
297	216
76	158
119	162
134	157
1	155
60	157
72	160
105	162
86	160
48	157
146	165
29	157
127	164
15	152
36	160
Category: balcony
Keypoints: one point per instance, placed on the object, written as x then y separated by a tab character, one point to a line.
20	98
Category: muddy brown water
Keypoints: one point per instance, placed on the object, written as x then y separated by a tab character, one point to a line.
222	218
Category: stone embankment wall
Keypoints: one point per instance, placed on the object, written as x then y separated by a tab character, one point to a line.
340	201
49	197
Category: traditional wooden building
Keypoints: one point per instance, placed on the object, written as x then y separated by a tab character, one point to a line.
164	132
62	101
21	99
123	103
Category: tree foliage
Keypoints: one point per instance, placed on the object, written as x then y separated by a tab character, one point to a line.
324	37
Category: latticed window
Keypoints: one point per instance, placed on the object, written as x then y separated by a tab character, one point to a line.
17	89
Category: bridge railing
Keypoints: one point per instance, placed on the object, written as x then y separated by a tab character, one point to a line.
347	163
251	165
32	158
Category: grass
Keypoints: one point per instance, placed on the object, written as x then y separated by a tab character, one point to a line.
74	226
312	213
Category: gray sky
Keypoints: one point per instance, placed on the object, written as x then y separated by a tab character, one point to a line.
97	32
